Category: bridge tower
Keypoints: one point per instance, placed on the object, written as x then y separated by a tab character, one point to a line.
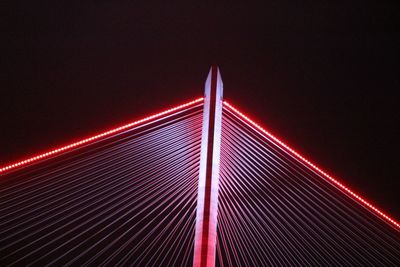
207	198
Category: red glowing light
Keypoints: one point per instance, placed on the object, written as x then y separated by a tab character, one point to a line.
188	104
313	166
99	136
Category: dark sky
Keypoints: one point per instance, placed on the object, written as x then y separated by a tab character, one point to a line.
322	75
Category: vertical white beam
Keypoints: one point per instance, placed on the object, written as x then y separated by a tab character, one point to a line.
207	198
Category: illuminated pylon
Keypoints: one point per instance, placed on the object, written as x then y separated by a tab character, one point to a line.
207	198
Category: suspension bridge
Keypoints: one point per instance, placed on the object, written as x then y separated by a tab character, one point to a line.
199	184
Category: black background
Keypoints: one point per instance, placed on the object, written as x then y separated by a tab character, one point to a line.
322	75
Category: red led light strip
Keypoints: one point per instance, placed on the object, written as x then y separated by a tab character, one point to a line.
99	136
313	166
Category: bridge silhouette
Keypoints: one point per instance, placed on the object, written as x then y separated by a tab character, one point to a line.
198	184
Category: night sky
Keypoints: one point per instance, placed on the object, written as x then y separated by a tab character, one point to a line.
323	76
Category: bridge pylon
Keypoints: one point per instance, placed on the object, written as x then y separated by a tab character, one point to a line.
207	198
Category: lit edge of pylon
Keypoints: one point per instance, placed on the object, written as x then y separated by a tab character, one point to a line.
99	136
314	167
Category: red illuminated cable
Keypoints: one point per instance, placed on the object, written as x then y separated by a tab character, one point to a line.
99	136
313	166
